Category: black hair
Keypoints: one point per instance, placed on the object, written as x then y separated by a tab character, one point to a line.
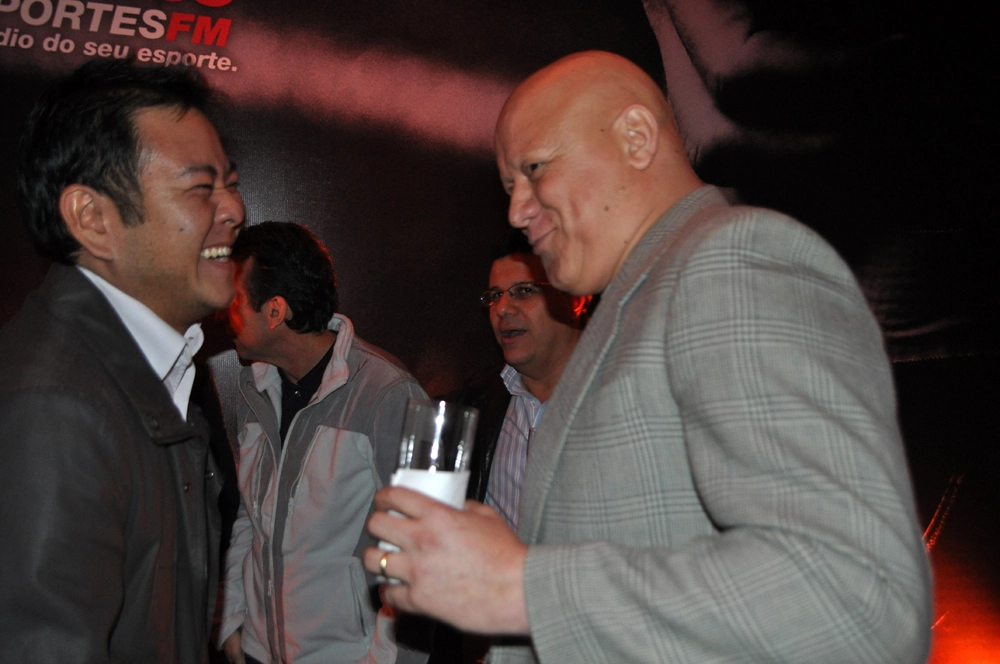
515	242
82	131
288	260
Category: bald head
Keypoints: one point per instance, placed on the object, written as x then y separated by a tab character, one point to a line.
590	87
589	152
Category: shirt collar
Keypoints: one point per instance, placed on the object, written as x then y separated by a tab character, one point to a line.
512	379
310	382
160	344
266	377
532	406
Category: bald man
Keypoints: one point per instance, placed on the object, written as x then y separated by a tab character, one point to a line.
719	475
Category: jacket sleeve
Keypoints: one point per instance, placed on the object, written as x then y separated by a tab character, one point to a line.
785	400
388	424
64	506
232	593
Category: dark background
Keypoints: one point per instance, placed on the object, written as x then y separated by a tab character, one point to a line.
372	124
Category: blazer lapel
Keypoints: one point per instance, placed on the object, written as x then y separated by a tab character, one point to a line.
590	353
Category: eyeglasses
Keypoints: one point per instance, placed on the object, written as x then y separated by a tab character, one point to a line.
519	291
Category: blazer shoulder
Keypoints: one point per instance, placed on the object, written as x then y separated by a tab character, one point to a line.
745	234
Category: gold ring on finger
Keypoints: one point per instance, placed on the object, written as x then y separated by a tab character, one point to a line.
382	562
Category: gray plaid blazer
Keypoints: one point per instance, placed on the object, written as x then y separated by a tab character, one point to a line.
719	475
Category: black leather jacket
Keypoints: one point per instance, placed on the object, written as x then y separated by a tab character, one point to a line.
108	513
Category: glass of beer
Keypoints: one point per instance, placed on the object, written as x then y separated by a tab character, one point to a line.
435	451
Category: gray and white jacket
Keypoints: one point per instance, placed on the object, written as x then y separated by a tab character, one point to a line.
294	580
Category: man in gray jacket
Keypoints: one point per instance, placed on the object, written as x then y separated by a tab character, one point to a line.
108	520
320	416
719	475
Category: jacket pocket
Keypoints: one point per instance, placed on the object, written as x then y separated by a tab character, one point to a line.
327	601
253	450
363	608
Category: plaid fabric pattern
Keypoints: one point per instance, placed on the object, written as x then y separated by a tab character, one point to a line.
719	476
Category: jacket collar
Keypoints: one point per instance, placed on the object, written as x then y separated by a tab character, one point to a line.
593	347
268	381
74	299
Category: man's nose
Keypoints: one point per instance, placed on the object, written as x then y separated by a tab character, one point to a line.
230	210
523	205
506	304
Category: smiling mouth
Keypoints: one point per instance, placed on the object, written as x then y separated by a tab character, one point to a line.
535	242
217	253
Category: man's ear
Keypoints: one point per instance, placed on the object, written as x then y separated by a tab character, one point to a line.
92	219
278	311
639	132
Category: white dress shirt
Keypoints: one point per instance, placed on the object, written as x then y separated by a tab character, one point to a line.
169	354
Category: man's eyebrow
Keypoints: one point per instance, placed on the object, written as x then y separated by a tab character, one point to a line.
201	168
529	282
209	169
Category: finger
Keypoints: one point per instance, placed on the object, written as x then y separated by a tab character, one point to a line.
383	569
405	501
412	515
370	559
386	564
391	528
399	597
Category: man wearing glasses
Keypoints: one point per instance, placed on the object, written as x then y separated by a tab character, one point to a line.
537	328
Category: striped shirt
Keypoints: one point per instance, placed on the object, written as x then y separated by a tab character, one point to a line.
503	491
